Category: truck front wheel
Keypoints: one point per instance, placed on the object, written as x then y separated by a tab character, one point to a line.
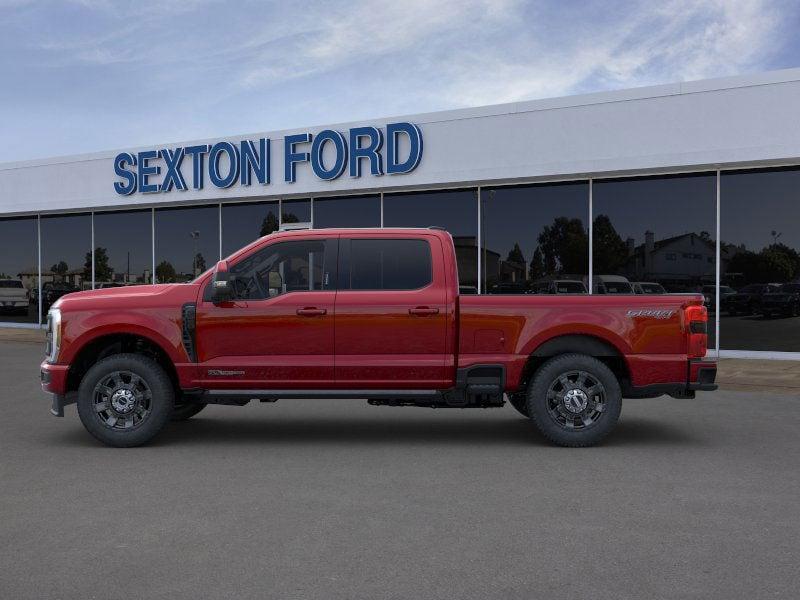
125	400
184	410
574	400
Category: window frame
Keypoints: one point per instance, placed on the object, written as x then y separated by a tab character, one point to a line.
330	248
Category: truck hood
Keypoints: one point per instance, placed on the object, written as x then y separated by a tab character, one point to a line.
126	296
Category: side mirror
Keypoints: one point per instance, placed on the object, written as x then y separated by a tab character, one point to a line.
221	284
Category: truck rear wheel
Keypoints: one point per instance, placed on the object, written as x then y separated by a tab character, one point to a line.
520	402
125	400
574	400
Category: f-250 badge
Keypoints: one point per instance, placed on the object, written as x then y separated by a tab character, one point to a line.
221	373
655	313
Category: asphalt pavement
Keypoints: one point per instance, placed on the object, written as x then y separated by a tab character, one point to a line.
337	499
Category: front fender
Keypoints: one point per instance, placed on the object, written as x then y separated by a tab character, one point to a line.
162	330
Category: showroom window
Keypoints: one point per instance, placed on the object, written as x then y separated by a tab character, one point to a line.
455	210
535	239
759	260
66	256
349	211
123	248
19	270
296	211
187	242
656	230
245	223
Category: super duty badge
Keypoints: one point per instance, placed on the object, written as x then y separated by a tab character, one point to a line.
653	313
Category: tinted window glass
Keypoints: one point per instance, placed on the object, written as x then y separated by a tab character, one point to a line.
655	230
760	212
245	223
66	256
123	248
534	235
19	264
282	268
389	265
296	211
353	211
456	211
187	242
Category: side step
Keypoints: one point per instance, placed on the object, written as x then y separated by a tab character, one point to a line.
478	386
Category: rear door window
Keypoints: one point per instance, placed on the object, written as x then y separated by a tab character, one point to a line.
385	264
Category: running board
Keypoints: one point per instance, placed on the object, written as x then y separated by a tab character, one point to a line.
242	397
476	386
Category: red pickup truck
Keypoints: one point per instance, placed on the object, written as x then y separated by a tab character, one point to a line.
364	313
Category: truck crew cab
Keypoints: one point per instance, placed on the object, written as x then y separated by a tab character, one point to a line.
364	313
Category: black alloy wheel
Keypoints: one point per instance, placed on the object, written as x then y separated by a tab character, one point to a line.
575	400
124	400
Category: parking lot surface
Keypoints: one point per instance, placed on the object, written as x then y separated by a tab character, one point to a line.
336	499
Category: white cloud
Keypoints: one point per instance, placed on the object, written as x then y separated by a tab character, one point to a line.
198	68
658	43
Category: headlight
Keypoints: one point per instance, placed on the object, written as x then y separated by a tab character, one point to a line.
53	335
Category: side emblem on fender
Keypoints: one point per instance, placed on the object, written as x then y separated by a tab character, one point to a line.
221	373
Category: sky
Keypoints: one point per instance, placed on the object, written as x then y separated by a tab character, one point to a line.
91	75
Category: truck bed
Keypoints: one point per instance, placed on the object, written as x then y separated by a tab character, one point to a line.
647	330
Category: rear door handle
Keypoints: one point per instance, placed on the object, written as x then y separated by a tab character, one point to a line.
423	310
311	311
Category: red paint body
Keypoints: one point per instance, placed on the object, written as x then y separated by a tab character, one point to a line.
370	339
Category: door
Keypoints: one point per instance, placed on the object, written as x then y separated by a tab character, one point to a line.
391	317
277	333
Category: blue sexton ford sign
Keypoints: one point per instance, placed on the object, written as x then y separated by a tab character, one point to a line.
329	152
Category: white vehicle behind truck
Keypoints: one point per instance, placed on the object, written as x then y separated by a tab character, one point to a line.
13	296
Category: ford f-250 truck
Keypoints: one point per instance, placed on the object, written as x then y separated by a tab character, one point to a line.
364	313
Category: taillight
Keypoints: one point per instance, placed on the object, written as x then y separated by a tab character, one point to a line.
697	329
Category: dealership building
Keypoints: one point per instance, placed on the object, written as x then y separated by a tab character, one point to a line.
687	186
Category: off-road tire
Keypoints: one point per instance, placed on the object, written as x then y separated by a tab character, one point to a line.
542	415
520	402
161	399
183	411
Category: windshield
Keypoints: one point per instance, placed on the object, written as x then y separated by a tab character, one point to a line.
790	288
10	283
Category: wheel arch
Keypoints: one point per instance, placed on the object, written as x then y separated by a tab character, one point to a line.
576	343
119	342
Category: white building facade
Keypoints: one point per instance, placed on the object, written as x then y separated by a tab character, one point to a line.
690	185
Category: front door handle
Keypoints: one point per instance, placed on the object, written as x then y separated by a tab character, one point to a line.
312	311
423	310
